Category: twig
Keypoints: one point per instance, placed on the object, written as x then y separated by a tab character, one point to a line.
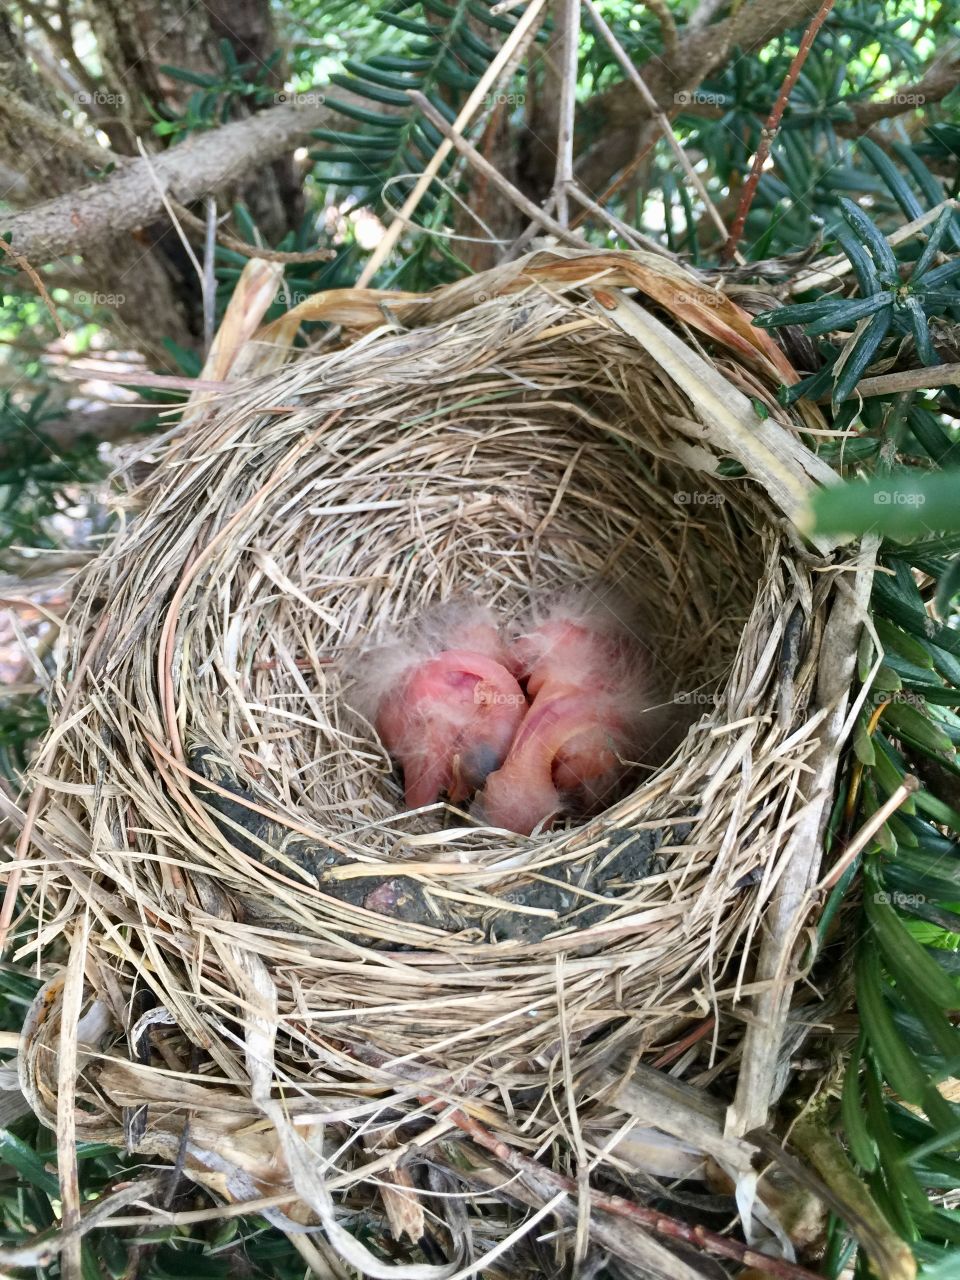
493	175
39	1250
769	130
651	1219
59	41
40	287
524	28
940	375
181	234
704	13
531	229
127	198
209	278
251	250
663	124
869	830
668	28
891	1257
567	38
621	180
636	239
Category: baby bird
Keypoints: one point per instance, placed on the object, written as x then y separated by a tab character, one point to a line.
444	702
588	678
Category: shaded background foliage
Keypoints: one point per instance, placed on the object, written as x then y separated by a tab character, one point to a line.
869	142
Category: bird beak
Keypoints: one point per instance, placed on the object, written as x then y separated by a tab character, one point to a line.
458	791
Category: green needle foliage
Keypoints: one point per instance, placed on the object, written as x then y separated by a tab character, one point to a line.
900	1117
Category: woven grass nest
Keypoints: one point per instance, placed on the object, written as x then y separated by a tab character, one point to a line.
209	817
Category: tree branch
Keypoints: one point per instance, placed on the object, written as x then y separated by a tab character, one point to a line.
769	130
616	113
129	198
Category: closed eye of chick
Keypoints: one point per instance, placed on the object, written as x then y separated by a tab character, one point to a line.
443	701
591	689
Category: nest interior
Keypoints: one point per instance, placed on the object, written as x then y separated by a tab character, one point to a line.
222	813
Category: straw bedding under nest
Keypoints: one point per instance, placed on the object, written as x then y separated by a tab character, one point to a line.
223	815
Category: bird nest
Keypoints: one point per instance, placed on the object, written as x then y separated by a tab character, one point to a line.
258	932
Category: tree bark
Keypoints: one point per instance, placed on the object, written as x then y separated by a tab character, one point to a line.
129	198
149	307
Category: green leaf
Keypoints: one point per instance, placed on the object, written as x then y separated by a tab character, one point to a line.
918	727
863	265
366	89
898	1064
891	175
941	275
879	249
407	24
893	637
932	247
901	505
909	306
849	312
903	955
932	437
855	1128
858	353
366	117
389	80
802	313
26	1162
201	78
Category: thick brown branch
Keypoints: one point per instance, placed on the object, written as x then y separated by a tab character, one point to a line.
616	114
129	198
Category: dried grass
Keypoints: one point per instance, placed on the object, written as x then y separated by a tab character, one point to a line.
212	804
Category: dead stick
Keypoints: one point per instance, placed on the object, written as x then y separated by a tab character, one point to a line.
769	130
484	167
567	36
651	1219
522	33
663	124
942	375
